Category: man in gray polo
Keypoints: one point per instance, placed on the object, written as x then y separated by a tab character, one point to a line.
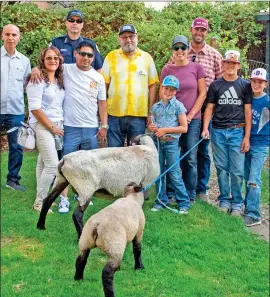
14	69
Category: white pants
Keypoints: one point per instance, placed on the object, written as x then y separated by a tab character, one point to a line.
47	161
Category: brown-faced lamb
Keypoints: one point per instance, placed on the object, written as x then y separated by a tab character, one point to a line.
105	168
110	230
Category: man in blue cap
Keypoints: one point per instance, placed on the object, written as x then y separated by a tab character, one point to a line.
67	43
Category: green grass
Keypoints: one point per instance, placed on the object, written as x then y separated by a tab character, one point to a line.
204	253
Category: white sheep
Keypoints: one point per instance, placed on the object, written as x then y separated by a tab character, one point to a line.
110	230
105	168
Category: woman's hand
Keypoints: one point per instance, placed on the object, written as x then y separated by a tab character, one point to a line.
57	131
153	127
160	132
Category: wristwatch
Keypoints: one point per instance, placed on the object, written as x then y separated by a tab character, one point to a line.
105	126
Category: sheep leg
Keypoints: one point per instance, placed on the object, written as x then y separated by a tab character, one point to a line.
78	218
137	249
47	203
107	279
80	264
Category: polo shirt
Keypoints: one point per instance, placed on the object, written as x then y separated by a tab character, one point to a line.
128	80
14	70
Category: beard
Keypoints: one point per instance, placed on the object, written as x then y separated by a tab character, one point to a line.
198	39
129	48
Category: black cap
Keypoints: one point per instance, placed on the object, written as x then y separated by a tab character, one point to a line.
127	28
75	12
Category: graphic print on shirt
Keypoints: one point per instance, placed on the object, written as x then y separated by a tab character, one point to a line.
264	119
93	89
229	97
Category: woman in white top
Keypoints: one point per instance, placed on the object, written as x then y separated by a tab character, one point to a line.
45	101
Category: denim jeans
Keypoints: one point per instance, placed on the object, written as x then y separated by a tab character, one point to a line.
229	162
169	154
15	154
203	164
79	139
121	128
254	160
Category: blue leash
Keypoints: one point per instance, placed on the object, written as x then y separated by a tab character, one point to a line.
162	174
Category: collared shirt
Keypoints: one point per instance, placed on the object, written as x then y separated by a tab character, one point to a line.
166	115
210	59
66	47
14	70
128	79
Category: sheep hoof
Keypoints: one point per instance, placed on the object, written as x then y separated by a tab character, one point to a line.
78	278
41	226
139	267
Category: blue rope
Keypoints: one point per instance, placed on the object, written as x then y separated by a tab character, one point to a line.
162	174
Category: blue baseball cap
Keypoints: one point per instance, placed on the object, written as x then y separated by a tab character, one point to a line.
171	81
75	12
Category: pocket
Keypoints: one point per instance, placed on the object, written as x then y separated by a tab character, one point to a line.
19	74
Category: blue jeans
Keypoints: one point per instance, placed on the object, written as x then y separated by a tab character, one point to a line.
229	162
203	164
168	155
79	139
121	128
15	151
254	160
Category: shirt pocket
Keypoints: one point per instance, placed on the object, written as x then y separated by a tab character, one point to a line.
19	72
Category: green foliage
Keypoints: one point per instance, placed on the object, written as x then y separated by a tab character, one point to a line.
233	24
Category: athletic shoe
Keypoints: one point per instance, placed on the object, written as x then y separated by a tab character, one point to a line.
157	207
15	186
249	221
223	209
77	198
63	206
236	213
203	197
183	210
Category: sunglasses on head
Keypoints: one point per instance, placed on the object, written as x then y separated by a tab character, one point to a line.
79	21
52	58
84	54
179	47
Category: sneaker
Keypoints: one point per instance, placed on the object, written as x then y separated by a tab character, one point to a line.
236	213
171	200
203	197
63	206
157	207
77	198
183	210
249	221
38	208
15	186
223	209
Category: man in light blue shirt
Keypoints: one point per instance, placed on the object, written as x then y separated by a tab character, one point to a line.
14	69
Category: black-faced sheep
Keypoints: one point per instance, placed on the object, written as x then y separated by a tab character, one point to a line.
105	168
110	230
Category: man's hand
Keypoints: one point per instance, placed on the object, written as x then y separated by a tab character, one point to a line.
102	134
36	76
153	127
205	133
245	145
189	117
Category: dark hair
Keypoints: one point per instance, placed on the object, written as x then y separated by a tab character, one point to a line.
84	43
43	70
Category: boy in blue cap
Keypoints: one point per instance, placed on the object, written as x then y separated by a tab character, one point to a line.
259	143
169	121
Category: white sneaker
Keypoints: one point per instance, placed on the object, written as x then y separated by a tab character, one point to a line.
63	206
77	198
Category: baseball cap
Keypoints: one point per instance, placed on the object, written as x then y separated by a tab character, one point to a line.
171	81
181	39
231	55
259	73
75	12
127	28
200	23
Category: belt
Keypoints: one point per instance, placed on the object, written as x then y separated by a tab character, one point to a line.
237	126
166	138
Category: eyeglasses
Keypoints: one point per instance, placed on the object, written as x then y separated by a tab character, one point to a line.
84	54
178	47
78	21
52	58
131	37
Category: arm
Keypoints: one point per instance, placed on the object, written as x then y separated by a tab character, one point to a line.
36	76
248	120
102	107
152	89
199	101
207	118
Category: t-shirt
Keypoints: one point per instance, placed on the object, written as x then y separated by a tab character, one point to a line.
260	129
229	98
83	90
188	77
166	115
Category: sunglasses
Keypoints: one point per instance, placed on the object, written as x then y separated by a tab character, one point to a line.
79	21
178	47
50	58
84	54
131	37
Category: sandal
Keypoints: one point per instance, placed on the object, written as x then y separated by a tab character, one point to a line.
38	207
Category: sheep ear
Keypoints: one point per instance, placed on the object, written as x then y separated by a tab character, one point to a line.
138	188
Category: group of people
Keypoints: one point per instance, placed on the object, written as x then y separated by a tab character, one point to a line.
75	95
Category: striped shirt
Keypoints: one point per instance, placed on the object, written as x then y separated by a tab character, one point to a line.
128	80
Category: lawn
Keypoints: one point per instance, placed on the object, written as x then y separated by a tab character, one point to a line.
204	253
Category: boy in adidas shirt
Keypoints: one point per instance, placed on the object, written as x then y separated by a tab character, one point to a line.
229	101
259	142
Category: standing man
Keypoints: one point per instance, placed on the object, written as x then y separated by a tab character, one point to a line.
15	67
130	76
67	43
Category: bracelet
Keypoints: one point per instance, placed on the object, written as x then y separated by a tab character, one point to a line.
105	126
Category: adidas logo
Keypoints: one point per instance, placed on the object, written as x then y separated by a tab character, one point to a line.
229	97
